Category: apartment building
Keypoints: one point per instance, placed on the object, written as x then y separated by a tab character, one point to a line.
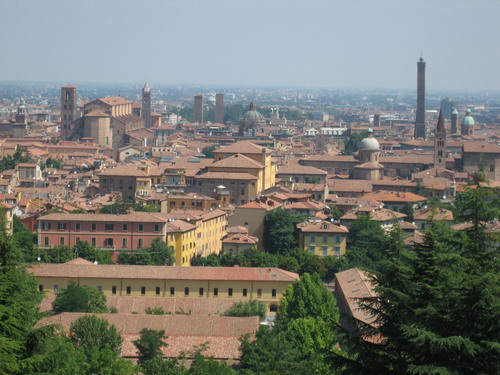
264	284
190	233
107	231
323	238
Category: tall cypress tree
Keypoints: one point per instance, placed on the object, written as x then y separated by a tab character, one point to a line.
19	298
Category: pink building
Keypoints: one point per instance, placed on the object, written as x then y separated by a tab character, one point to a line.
131	231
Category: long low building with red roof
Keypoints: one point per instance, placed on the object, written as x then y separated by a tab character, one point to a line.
184	333
263	284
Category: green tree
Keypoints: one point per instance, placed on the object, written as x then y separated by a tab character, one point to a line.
84	250
247	308
60	254
272	353
146	208
76	298
89	332
233	113
118	207
25	240
208	151
351	144
150	344
187	114
101	345
19	298
280	231
408	211
202	365
437	306
140	257
211	260
305	298
51	352
161	253
335	212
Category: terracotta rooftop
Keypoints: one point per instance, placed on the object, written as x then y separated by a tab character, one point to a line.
376	214
237	161
389	196
243	147
241	239
300	169
123	170
146	217
322	227
481	147
114	100
226	176
97	113
436	213
353	284
107	271
184	331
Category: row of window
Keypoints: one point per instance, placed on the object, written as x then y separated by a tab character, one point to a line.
312	238
201	291
93	227
108	242
324	250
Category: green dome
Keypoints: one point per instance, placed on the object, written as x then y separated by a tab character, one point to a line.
22	103
468	119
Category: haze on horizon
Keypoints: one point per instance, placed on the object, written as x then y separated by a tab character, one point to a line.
318	43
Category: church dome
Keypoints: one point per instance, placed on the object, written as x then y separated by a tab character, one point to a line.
468	119
253	116
22	104
369	143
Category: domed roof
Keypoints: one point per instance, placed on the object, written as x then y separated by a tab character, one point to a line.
253	115
468	119
22	103
369	143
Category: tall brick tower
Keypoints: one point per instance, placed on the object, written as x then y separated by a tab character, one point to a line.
440	143
68	111
146	105
219	108
420	119
454	121
198	109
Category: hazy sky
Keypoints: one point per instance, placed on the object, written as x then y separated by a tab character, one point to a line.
310	43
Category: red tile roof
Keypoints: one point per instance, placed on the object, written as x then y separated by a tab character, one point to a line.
107	271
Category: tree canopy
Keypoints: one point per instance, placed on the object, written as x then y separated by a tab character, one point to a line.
76	298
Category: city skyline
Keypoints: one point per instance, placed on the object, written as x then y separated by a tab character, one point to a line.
364	45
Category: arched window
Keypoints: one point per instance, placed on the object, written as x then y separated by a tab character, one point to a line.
273	308
68	95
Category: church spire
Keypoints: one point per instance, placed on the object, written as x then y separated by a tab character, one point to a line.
440	143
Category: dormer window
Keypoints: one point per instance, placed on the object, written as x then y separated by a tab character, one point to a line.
324	226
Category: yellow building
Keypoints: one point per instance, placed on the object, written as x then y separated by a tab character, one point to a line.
189	201
242	169
7	217
195	233
263	284
182	237
323	238
251	215
260	154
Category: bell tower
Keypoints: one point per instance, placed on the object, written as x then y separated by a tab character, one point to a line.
68	111
440	143
420	118
146	105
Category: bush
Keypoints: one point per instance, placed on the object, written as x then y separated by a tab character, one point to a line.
247	308
76	298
